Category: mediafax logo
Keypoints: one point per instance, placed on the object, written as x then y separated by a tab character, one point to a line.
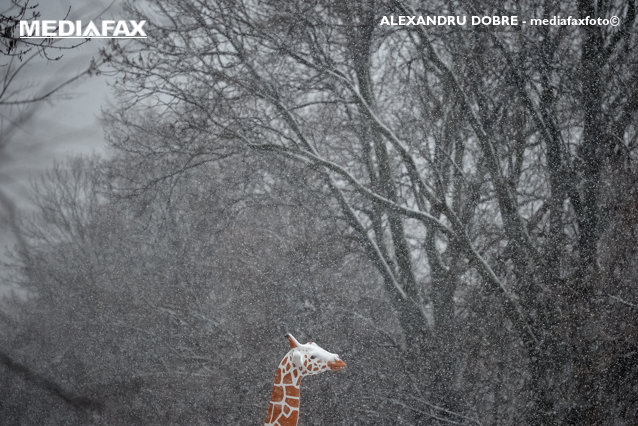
77	29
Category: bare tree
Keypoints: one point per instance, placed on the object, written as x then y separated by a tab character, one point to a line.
458	160
19	102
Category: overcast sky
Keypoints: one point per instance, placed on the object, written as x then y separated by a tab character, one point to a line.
66	125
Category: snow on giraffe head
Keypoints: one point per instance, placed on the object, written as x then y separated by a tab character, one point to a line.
312	359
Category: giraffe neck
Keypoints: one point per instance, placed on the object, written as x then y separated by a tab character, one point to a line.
283	409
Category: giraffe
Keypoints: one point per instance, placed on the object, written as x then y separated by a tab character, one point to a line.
300	361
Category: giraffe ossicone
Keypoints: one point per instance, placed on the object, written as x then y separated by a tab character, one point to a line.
300	361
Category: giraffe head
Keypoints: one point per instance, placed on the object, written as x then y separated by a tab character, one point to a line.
300	361
311	359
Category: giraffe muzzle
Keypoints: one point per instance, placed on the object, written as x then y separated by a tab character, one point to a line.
336	365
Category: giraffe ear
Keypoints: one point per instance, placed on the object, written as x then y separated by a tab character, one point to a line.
296	359
292	341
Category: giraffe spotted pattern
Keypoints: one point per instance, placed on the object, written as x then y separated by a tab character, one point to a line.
300	361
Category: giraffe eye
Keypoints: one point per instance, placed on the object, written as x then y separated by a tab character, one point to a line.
313	357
